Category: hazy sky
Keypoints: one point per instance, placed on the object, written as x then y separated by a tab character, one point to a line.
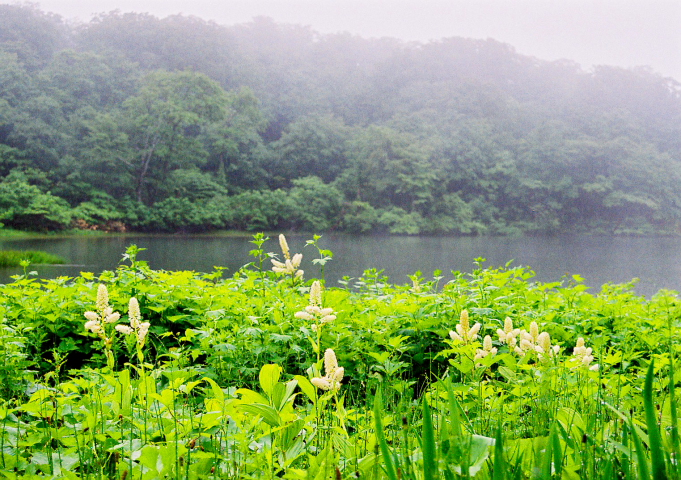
615	32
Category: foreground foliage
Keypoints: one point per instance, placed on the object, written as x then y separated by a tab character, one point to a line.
263	374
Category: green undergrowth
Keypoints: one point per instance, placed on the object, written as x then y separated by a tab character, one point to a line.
14	258
271	374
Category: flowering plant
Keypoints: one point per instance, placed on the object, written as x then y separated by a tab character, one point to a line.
137	327
290	265
97	322
333	373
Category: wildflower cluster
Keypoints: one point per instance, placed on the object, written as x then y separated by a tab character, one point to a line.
137	327
464	332
97	321
530	342
289	266
583	355
509	334
333	373
314	312
519	341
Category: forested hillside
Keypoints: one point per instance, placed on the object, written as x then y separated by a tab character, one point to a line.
179	124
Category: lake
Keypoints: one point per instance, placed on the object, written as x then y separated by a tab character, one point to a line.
599	259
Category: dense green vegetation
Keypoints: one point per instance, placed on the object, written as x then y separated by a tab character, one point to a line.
268	375
178	124
13	258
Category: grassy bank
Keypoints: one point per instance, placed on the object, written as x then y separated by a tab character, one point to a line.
13	258
141	373
9	233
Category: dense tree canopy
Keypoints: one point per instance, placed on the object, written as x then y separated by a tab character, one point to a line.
179	124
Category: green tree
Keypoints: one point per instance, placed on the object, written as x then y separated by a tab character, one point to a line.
80	79
358	217
34	36
163	123
236	149
312	145
387	167
174	43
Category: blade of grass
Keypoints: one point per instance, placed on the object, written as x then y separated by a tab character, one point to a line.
380	435
654	436
643	470
460	455
676	442
428	439
557	452
546	464
498	468
455	412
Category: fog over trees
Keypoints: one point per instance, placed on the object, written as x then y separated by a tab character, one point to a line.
180	124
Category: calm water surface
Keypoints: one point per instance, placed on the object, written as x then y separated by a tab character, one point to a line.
599	259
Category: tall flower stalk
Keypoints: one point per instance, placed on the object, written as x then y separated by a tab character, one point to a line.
509	334
316	314
584	355
258	240
290	265
97	323
464	332
137	327
331	381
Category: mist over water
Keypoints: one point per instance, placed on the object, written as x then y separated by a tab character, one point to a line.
598	259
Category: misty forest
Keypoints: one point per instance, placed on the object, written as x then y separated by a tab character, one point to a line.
132	122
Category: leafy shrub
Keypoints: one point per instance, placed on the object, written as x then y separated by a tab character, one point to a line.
316	205
26	207
359	217
99	210
257	210
182	215
397	221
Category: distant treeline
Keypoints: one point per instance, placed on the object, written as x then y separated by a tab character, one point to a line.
179	124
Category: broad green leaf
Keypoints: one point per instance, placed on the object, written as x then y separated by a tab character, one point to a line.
268	414
307	388
269	376
215	389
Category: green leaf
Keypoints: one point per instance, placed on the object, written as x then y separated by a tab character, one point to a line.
268	414
428	442
150	457
380	435
656	450
479	452
251	396
307	388
557	451
675	440
269	376
643	471
215	388
499	467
